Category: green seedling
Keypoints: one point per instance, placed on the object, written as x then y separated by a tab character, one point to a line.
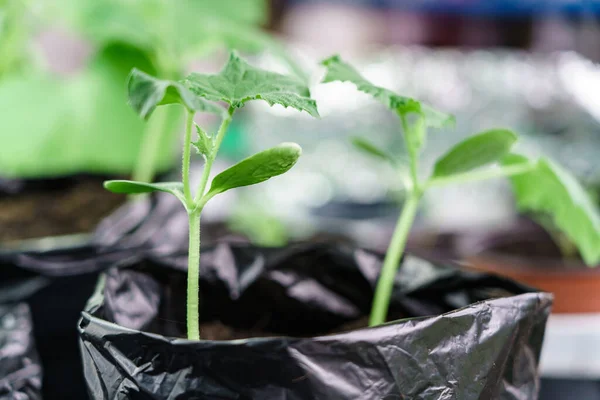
539	186
235	85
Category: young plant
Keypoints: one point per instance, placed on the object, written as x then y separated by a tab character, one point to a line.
539	185
235	85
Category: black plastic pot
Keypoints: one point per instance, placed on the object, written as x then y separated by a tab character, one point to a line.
20	372
55	278
476	336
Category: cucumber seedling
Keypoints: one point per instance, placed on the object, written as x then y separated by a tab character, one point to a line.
235	85
540	186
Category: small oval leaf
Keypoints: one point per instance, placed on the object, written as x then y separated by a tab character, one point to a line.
147	92
551	189
133	187
475	151
257	168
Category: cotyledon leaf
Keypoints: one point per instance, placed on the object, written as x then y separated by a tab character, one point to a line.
257	168
475	151
551	189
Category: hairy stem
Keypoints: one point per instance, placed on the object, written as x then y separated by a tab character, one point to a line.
391	262
193	295
193	286
413	153
185	165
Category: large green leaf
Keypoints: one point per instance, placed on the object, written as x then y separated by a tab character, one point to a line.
475	151
338	70
146	92
179	27
552	190
240	82
257	168
82	123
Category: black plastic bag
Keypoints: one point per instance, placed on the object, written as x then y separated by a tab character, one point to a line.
56	278
20	372
488	349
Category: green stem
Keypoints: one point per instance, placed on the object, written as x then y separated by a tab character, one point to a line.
193	279
193	297
481	175
185	166
211	157
391	262
414	175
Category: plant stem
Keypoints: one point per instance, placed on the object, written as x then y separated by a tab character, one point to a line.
385	284
211	157
185	166
413	155
193	289
485	174
193	279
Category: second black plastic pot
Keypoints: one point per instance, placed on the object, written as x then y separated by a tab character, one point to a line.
478	336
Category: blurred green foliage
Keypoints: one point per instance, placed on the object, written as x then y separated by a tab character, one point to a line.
54	125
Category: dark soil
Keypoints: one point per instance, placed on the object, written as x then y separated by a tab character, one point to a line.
67	208
215	330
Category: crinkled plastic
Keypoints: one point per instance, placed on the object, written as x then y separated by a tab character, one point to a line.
56	277
477	336
20	372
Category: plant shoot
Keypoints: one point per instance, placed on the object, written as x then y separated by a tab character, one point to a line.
235	85
539	185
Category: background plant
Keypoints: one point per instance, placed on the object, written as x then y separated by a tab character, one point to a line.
540	185
76	130
235	85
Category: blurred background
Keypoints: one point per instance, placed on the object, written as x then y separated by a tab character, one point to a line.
528	65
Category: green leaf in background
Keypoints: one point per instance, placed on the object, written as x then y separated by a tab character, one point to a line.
369	148
475	151
338	70
240	82
552	190
181	27
146	92
60	126
257	168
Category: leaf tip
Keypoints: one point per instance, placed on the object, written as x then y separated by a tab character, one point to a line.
293	148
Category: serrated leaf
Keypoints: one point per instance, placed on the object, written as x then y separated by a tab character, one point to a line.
257	168
240	82
475	151
369	148
552	190
147	92
204	144
338	70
